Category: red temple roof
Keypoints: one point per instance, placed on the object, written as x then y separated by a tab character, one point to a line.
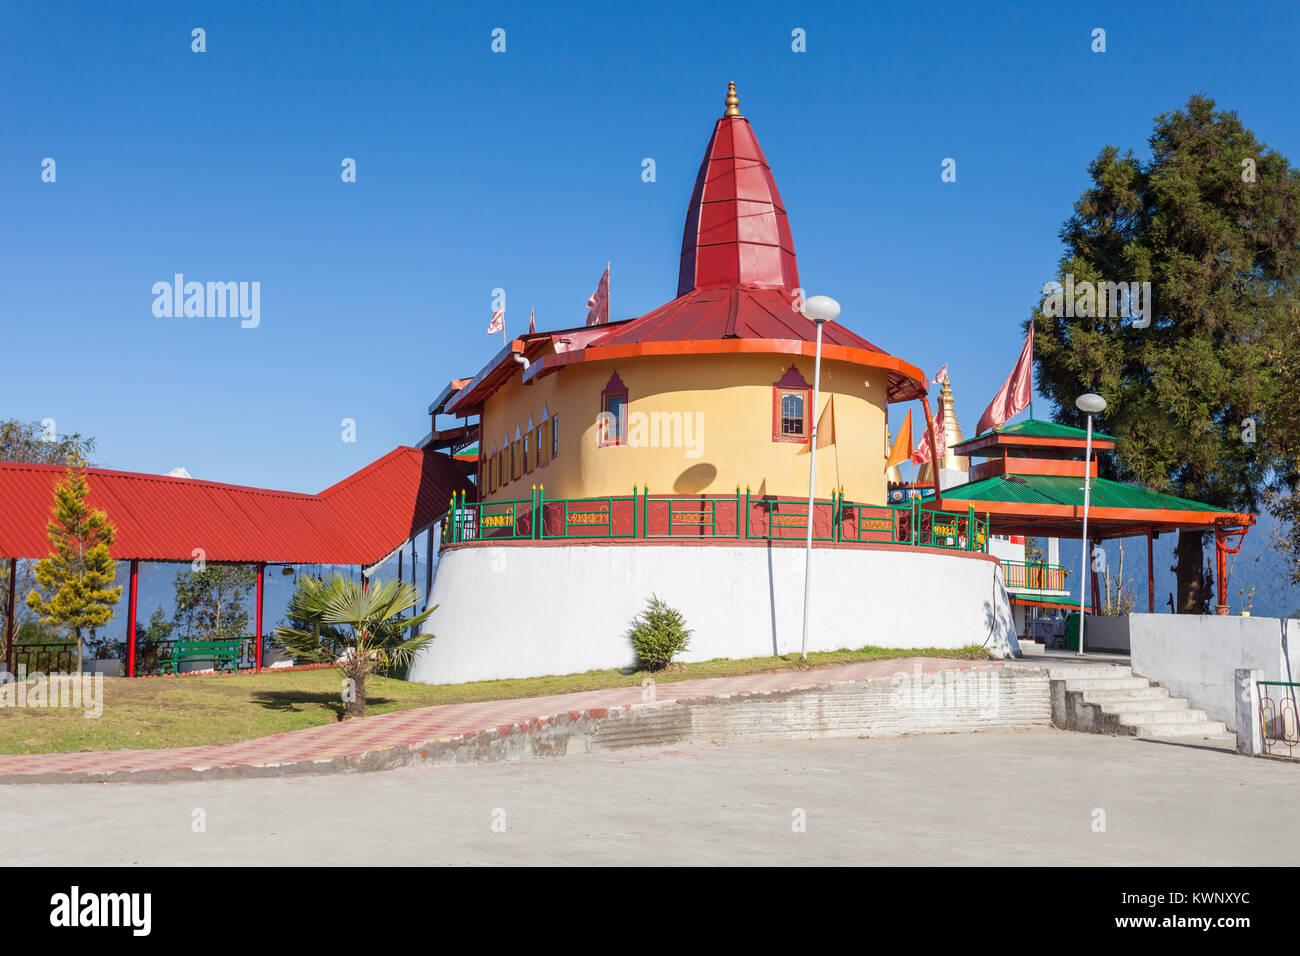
737	312
360	520
736	231
736	288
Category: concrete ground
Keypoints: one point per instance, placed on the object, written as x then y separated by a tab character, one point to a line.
1030	797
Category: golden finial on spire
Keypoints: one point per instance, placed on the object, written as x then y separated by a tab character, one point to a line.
732	101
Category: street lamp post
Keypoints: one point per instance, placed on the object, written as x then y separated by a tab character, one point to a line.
821	309
1090	405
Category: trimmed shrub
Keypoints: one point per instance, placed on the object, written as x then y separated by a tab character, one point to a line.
658	635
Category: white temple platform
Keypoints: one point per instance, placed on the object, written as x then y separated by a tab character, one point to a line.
539	608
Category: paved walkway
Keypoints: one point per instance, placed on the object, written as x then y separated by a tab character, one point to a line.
428	724
996	798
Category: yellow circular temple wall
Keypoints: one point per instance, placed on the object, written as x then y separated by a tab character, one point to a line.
696	425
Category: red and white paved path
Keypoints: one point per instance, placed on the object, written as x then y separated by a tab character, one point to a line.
428	724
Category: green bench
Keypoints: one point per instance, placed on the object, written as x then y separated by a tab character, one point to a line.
223	654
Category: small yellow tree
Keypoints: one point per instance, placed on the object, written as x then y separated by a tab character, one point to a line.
74	584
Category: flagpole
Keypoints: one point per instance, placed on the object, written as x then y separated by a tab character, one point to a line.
823	309
812	488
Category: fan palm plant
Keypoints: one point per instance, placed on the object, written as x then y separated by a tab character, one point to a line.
358	628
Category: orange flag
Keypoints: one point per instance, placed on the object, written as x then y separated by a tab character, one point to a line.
902	449
826	424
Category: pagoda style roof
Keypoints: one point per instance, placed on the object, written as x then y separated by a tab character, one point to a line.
736	230
734	312
1043	504
737	285
1035	432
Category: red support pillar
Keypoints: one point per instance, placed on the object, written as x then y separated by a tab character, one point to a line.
1151	578
9	618
257	640
1221	570
133	592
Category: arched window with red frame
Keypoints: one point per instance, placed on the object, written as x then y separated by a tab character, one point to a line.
791	406
613	413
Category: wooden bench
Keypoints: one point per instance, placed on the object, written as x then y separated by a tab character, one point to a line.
223	654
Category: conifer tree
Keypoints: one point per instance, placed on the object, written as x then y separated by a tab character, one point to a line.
74	584
1193	387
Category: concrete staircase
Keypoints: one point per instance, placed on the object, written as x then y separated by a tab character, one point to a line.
1110	699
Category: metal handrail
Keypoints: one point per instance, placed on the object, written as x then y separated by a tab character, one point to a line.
696	516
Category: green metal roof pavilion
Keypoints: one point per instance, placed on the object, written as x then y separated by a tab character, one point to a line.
1033	484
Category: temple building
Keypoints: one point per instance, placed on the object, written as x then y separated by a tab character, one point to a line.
592	467
670	453
710	391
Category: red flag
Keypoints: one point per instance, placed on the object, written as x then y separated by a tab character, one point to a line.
1016	393
498	321
532	322
598	304
922	453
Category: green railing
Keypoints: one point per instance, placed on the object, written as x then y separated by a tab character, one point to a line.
1033	576
741	516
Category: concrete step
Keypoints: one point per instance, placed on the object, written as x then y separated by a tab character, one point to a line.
1105	683
1105	697
1193	728
1144	717
1085	671
1155	705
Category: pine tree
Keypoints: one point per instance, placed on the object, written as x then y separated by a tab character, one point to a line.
74	584
1212	222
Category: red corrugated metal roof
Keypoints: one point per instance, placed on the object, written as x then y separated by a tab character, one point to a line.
360	520
735	312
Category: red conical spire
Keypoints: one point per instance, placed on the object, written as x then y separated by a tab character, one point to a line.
736	228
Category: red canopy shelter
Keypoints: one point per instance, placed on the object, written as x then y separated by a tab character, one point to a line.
360	520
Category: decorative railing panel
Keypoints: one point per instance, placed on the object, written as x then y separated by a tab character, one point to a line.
1278	724
742	516
1033	576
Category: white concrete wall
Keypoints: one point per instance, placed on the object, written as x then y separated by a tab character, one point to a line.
1004	550
1108	632
1195	655
528	611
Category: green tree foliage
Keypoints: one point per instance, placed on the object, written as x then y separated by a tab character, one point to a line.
1222	254
1284	432
148	643
658	635
210	603
31	442
359	629
74	584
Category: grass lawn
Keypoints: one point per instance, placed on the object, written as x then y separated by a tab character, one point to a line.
188	711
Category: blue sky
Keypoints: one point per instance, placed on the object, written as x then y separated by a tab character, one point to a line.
522	170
